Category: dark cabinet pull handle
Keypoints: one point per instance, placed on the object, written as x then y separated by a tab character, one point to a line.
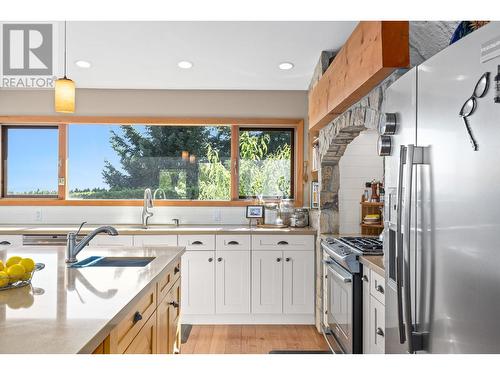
5	243
380	332
197	243
365	278
282	243
176	270
210	259
137	317
379	288
175	304
233	243
219	259
278	260
288	259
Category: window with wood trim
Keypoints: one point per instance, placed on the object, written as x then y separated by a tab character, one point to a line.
265	163
175	162
30	161
186	163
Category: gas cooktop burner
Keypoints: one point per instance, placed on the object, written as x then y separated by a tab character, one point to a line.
367	245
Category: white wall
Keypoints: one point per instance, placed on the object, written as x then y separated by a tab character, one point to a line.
359	164
173	103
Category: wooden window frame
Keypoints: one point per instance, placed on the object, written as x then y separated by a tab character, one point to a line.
62	123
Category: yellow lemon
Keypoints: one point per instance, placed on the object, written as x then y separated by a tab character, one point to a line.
15	272
26	276
1	266
13	260
4	279
28	264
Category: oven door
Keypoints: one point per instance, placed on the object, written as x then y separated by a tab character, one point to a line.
340	305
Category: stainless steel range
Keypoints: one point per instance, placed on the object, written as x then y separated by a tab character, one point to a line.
343	290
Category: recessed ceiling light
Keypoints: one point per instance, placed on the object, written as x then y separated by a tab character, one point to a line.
286	66
83	64
185	64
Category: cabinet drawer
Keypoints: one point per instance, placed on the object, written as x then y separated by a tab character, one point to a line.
377	326
123	334
163	240
377	286
233	242
282	242
145	341
197	241
10	240
105	240
170	275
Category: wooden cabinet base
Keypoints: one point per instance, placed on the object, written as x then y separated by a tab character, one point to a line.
150	326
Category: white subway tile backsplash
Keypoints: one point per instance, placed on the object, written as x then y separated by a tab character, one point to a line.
120	215
359	164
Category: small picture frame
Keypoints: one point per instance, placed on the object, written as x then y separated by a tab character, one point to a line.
315	195
255	212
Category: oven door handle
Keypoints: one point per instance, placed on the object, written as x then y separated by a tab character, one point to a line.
338	272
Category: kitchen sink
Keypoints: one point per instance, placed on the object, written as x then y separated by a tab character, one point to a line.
97	261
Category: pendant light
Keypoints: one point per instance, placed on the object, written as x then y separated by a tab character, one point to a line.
64	94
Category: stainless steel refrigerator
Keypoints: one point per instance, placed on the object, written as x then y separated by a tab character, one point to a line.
442	215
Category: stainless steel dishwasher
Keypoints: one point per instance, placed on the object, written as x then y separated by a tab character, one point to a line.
46	239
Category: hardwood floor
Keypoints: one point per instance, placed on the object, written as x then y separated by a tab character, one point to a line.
252	339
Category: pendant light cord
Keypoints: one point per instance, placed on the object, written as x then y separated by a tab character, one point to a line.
65	47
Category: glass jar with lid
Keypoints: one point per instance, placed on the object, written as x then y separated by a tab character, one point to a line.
286	210
270	213
300	218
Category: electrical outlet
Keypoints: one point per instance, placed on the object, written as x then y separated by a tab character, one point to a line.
38	214
217	215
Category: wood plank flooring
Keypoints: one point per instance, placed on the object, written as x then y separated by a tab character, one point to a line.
252	339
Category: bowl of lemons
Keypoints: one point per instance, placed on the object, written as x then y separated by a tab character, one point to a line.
17	272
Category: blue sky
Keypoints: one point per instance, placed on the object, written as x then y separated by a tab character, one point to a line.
32	157
88	148
32	160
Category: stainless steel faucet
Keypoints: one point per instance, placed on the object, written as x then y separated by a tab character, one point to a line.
73	247
148	204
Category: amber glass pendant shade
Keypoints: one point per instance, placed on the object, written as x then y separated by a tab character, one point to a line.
64	98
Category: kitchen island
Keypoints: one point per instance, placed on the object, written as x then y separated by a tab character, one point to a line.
82	310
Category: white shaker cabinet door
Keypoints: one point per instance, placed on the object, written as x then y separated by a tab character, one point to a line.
377	326
232	282
267	282
198	282
298	282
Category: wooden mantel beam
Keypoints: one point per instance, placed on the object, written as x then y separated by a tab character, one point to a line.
373	51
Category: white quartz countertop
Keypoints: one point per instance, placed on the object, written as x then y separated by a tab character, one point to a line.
156	229
70	310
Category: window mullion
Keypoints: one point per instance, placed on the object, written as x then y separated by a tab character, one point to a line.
62	180
235	131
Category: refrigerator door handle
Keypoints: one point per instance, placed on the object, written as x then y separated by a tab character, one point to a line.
399	246
414	155
406	246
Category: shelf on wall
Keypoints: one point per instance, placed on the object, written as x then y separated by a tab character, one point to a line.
374	204
372	225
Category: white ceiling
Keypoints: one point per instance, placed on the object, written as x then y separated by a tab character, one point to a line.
226	55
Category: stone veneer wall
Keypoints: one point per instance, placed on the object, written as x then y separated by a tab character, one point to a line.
333	141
